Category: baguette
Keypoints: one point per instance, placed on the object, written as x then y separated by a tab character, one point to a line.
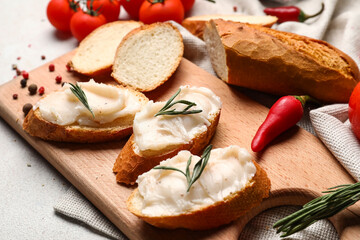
158	138
44	122
148	56
278	62
213	200
196	24
95	54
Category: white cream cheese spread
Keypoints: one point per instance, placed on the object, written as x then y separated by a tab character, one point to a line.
157	133
164	192
107	103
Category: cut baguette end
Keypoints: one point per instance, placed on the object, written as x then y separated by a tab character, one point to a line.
148	56
220	213
196	24
95	54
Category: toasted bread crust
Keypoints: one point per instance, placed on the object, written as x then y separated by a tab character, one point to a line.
284	63
129	165
105	69
220	213
131	34
197	26
37	126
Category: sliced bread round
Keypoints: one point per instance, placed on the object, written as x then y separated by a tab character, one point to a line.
95	54
148	56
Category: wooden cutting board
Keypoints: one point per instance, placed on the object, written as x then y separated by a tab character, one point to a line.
298	164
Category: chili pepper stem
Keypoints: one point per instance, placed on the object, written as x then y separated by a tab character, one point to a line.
303	17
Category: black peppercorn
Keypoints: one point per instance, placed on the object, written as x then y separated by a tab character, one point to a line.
32	89
23	83
15	96
26	108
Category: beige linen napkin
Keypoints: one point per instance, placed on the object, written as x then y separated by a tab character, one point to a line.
340	25
332	126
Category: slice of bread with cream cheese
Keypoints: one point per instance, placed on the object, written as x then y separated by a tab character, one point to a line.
230	185
156	138
60	116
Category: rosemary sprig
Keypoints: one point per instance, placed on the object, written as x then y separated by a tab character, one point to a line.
337	199
165	110
198	168
79	93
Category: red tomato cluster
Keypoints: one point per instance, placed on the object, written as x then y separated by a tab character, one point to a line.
66	15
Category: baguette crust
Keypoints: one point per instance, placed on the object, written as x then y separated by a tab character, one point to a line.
37	126
92	37
131	34
284	63
226	211
129	165
196	25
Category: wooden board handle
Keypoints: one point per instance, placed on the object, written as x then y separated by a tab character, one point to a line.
346	222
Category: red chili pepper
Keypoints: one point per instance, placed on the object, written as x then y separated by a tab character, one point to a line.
285	113
291	13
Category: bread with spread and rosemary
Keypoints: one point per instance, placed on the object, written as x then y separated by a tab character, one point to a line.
87	112
195	193
95	54
279	63
161	129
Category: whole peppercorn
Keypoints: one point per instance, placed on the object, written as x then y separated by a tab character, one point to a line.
41	91
25	74
58	79
26	108
18	72
32	89
43	57
23	83
51	67
15	96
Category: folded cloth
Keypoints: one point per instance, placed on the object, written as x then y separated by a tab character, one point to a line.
336	25
332	126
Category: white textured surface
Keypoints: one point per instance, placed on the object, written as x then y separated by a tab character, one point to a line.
29	185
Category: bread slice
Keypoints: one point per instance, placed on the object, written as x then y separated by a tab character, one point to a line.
148	56
36	125
278	62
196	24
131	162
176	208
95	54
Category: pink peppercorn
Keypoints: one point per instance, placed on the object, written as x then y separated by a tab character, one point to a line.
41	91
25	74
51	67
58	79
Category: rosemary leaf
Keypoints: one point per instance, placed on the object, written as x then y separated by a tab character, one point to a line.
337	199
165	110
79	93
198	168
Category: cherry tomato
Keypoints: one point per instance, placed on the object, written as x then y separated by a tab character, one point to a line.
83	23
162	10
188	4
132	7
109	8
59	13
354	110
